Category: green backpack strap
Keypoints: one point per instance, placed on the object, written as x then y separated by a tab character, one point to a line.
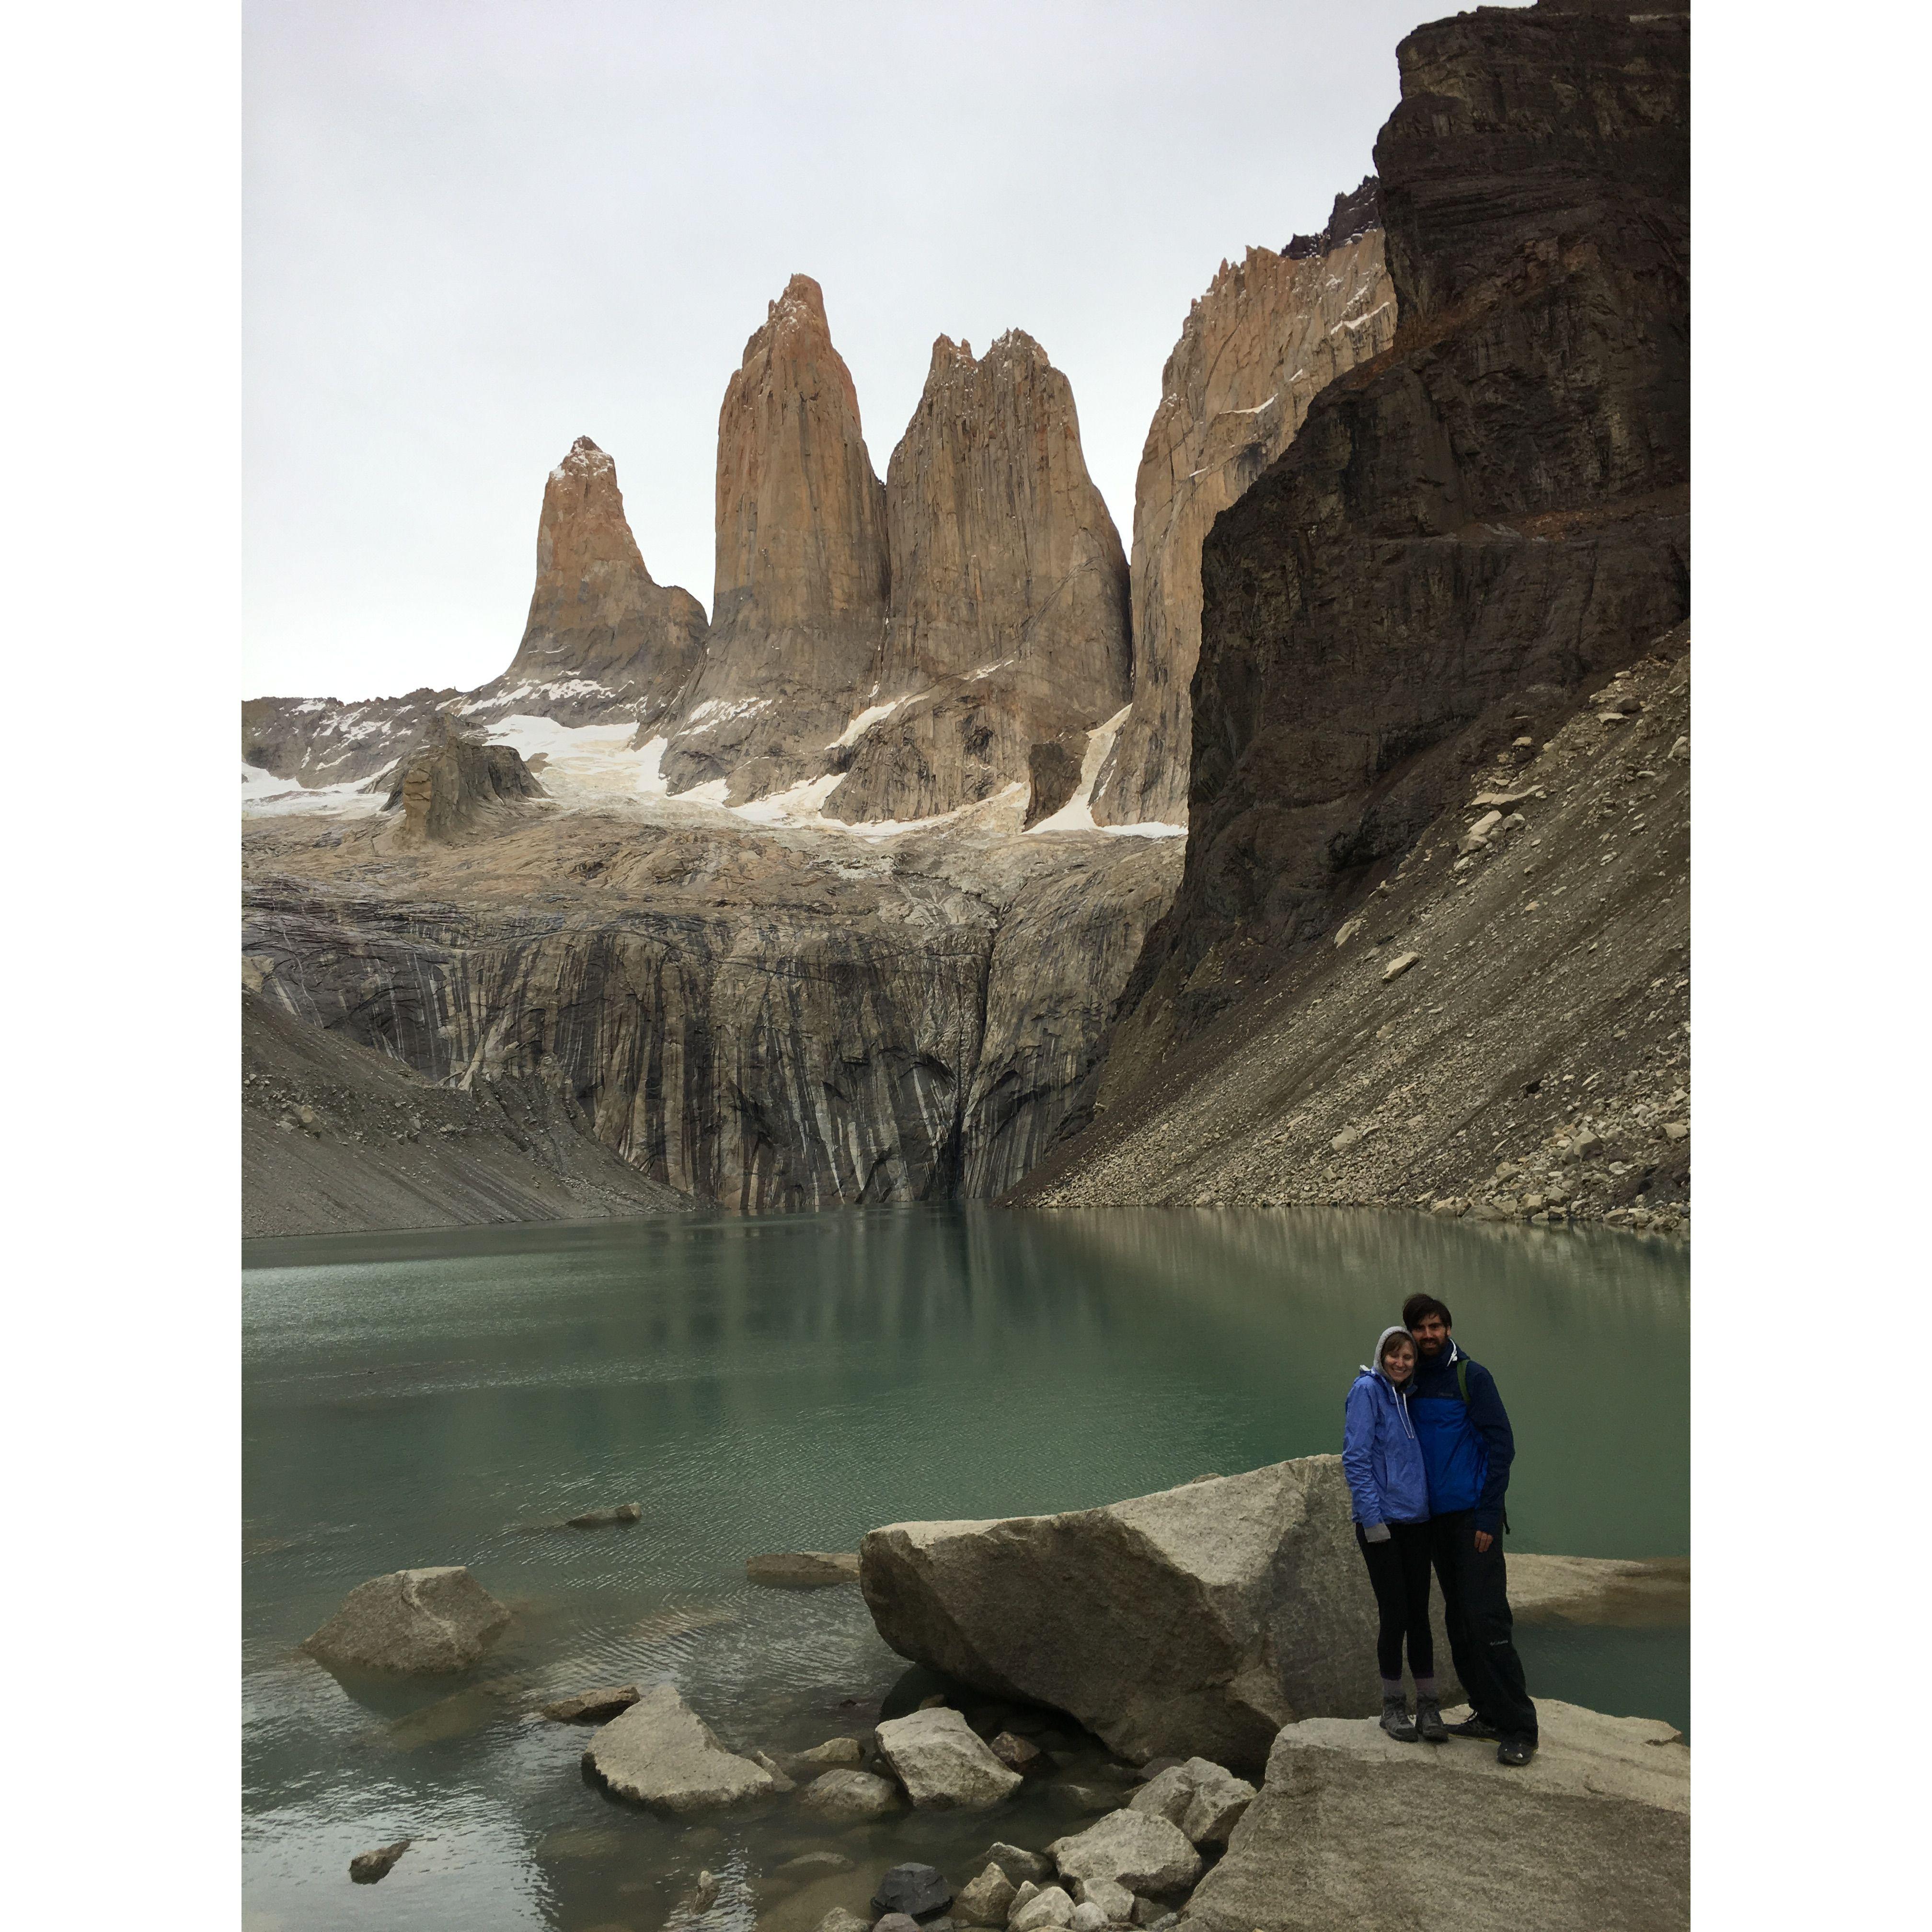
1462	1380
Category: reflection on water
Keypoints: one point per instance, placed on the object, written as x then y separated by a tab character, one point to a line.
791	1383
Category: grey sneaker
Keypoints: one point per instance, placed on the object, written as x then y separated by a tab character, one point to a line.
1395	1720
1428	1724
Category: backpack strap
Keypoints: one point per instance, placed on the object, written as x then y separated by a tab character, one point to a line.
1462	1379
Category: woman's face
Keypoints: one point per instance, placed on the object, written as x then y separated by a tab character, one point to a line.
1399	1361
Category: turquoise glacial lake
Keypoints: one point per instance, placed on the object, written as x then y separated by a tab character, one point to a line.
790	1383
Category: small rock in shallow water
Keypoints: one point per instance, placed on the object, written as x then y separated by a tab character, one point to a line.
662	1753
780	1781
1087	1801
921	1891
1115	1901
593	1707
1050	1907
834	1751
366	1868
804	1569
429	1620
897	1921
602	1518
840	1920
987	1900
1017	1753
810	1865
706	1895
850	1795
942	1764
1020	1865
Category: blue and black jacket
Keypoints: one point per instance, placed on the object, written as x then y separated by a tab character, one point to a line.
1467	1447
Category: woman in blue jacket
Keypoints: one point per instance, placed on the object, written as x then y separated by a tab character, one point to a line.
1382	1460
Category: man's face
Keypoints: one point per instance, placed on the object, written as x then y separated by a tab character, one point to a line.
1432	1335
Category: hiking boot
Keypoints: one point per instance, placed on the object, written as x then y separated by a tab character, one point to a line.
1515	1750
1472	1727
1395	1720
1429	1725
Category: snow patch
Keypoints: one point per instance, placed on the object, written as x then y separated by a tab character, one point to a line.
865	720
1077	814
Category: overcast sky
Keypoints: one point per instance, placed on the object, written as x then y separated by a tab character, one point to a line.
475	231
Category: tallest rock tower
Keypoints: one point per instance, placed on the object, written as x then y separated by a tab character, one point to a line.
800	600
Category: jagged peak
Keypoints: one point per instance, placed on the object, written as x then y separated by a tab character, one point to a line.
583	457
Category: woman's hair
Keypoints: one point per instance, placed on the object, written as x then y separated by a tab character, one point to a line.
1398	1340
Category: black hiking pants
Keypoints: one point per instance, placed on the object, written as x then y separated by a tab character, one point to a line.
1399	1574
1476	1613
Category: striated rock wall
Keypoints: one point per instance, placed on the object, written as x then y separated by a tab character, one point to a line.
321	741
768	1021
799	604
602	632
1271	333
1009	589
1470	530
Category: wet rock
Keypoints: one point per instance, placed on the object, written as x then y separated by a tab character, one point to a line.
1595	1831
897	1921
704	1894
602	1518
838	1919
987	1900
1018	1753
942	1764
427	1621
1142	1852
920	1892
1195	1622
803	1569
810	1865
367	1867
847	1795
660	1752
1049	1906
1652	1591
1021	1865
1082	1801
594	1707
1115	1901
782	1781
833	1751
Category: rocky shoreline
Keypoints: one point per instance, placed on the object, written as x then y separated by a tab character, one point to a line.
1200	1764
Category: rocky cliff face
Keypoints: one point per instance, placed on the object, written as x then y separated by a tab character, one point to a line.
1270	334
766	1019
320	742
800	605
602	635
1009	589
1471	529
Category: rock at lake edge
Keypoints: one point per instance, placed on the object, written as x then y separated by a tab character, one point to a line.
1019	1864
594	1707
429	1621
1595	1830
803	1569
918	1890
661	1753
846	1794
1050	1907
942	1763
367	1867
987	1900
1141	1851
1196	1621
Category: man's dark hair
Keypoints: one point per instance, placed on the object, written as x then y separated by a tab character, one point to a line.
1417	1306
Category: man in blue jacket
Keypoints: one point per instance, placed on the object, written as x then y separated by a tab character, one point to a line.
1466	1449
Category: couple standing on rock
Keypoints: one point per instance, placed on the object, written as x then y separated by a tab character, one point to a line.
1426	1448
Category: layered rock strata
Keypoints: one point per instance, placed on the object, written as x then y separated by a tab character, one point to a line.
1472	529
1008	614
337	1136
1196	1621
1271	331
602	634
1595	1830
799	604
316	741
765	1019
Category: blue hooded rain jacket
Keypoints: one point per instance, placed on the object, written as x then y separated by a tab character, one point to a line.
1382	1453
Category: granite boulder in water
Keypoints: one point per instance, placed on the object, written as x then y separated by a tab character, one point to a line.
943	1764
1197	1621
411	1622
660	1753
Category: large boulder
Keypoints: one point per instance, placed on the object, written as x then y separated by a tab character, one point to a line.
660	1753
1592	1835
942	1763
418	1621
1138	1849
1197	1621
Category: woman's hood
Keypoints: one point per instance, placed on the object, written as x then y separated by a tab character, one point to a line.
1373	1366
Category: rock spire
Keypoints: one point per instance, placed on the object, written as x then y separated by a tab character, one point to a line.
1009	589
602	633
800	603
1270	332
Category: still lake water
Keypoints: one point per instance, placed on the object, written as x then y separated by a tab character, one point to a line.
791	1383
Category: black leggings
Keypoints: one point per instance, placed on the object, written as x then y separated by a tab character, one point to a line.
1399	1571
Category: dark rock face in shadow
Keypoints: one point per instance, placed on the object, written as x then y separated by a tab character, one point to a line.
1470	526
